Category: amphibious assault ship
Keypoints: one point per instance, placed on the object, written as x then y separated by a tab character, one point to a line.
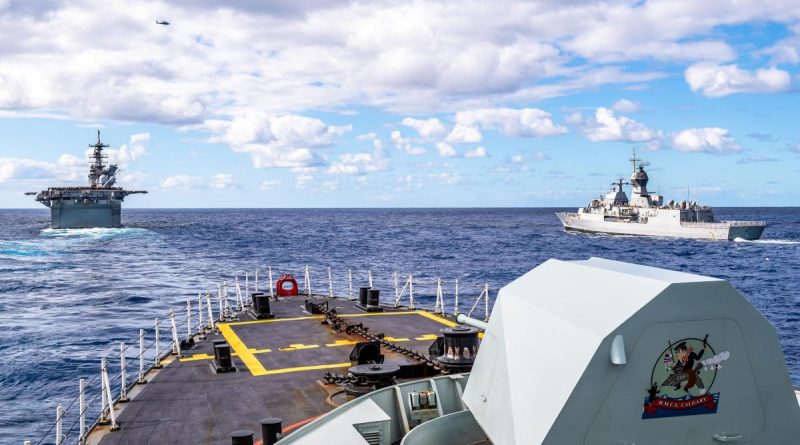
646	214
620	363
98	205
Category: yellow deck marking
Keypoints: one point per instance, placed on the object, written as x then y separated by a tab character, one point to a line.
198	357
297	346
394	339
426	337
260	351
307	368
367	314
341	343
437	318
245	354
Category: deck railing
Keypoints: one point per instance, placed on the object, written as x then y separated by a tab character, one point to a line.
104	386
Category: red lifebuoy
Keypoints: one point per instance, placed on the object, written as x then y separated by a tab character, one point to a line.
287	286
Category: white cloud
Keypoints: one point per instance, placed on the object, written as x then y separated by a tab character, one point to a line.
446	150
446	178
405	145
526	122
477	152
463	134
269	184
427	128
182	182
277	141
606	126
130	152
711	140
222	181
722	80
626	106
358	163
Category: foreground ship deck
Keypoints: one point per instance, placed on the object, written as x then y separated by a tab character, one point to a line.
280	365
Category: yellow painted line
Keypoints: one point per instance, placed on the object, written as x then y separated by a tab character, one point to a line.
260	351
297	346
320	317
437	318
426	337
341	343
245	354
307	368
394	339
197	357
273	320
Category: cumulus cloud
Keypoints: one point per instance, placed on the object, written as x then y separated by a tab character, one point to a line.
130	152
462	134
477	152
426	128
607	126
222	181
446	150
525	122
406	145
626	106
710	140
182	182
277	141
359	163
722	80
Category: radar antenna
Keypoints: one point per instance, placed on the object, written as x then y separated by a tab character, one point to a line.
636	161
96	164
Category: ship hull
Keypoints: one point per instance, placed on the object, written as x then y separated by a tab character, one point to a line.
70	215
712	231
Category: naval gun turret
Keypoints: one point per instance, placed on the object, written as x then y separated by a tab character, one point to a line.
98	205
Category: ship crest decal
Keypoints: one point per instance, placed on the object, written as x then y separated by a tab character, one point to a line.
682	378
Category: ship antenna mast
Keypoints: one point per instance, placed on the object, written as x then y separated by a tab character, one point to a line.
97	164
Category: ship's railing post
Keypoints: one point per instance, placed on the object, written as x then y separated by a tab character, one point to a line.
369	277
349	283
188	319
123	383
271	283
307	281
82	409
221	306
396	288
176	347
141	379
104	396
157	360
59	427
107	393
330	283
238	294
486	302
210	311
246	284
438	307
455	301
200	327
226	301
256	289
411	291
399	294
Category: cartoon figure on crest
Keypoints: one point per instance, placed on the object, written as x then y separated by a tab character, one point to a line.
681	380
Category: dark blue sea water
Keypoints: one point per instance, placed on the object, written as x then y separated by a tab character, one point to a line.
69	297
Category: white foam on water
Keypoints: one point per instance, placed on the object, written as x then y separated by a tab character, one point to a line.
93	233
784	242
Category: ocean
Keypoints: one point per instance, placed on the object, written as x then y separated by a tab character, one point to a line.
68	297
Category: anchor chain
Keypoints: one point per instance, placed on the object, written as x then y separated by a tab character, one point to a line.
339	324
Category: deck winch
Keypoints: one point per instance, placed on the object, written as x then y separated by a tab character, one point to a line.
369	377
457	348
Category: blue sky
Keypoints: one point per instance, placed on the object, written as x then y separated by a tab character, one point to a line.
408	104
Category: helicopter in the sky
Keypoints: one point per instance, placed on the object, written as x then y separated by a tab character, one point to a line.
162	22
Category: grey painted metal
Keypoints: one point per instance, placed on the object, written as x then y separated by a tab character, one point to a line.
646	214
96	205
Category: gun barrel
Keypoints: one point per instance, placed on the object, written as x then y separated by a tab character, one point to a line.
463	319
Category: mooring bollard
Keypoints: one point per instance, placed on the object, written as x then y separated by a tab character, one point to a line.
271	430
82	408
141	379
123	386
157	360
242	437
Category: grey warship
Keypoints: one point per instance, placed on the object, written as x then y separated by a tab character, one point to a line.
97	205
647	214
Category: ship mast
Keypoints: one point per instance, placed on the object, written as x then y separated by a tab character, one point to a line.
97	164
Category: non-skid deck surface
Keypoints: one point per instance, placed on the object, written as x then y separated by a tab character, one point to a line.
280	363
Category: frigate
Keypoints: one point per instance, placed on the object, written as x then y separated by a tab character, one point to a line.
97	205
647	214
640	355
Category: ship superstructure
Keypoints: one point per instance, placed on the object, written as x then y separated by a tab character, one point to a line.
97	205
646	213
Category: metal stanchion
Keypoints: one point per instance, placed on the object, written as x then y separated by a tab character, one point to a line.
141	379
123	385
176	346
157	361
107	392
200	327
350	283
82	408
59	428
